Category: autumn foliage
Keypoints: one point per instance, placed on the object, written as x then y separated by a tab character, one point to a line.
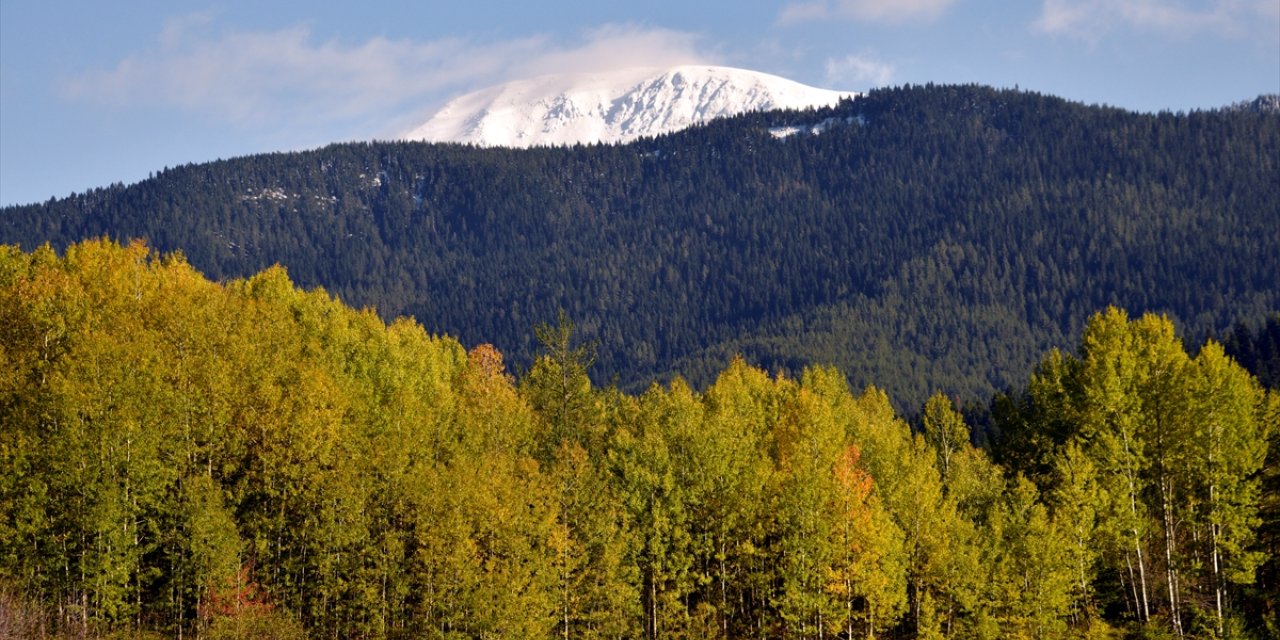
249	460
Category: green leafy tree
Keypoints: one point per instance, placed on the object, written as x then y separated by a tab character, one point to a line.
735	467
1154	440
1225	452
656	488
945	431
809	446
1076	500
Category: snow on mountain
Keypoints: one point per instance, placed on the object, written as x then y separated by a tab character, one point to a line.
814	129
616	106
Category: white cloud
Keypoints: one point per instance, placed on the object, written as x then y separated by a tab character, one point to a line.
861	71
616	47
1091	19
178	27
882	11
289	78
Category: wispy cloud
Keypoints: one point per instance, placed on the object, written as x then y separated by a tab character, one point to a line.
880	11
617	46
859	71
1092	19
290	78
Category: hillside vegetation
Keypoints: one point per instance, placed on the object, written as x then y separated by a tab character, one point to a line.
935	237
248	460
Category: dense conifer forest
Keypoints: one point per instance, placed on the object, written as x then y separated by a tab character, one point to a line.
246	459
929	238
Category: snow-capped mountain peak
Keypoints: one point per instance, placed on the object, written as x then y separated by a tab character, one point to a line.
615	106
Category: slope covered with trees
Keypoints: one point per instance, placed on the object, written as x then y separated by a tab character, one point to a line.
247	460
934	237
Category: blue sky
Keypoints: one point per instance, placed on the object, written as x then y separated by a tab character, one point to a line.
94	92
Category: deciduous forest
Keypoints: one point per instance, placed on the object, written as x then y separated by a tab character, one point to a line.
248	459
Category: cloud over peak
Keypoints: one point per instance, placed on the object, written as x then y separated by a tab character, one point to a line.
291	78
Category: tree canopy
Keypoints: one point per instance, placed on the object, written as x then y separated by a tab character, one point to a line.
249	459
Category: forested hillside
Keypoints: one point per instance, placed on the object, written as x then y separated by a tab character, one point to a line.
249	460
937	237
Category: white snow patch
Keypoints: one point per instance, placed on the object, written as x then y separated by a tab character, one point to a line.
815	129
785	132
275	194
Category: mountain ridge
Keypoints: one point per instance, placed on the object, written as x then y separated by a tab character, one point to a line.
945	242
612	107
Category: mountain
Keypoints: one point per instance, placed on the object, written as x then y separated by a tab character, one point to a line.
920	238
612	107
